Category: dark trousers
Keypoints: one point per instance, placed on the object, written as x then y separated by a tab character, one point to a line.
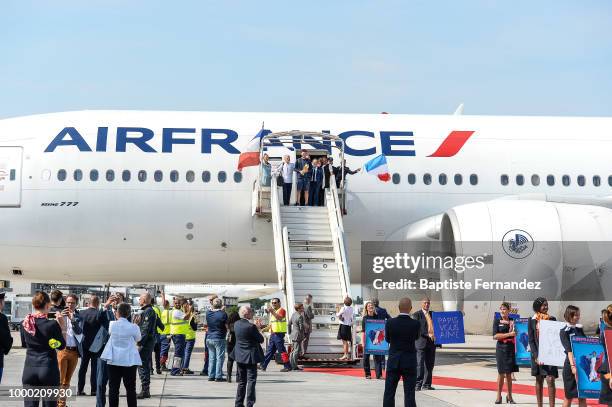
102	378
286	192
313	193
378	364
189	344
41	376
322	196
87	359
426	359
157	351
275	344
179	354
144	370
246	375
115	375
393	377
204	371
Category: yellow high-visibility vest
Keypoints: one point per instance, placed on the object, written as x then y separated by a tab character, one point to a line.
165	319
178	326
158	313
278	325
191	334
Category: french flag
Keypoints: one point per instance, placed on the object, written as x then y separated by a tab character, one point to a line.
250	156
378	166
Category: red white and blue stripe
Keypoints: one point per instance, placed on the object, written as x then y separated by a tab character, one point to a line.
378	166
250	156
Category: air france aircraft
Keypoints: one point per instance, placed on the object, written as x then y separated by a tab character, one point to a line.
155	196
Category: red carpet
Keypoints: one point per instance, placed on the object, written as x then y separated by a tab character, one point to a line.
459	383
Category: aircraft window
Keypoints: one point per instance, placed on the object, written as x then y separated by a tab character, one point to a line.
411	179
110	175
238	176
565	180
174	175
142	175
520	180
205	176
222	176
596	180
458	179
581	180
396	178
190	176
126	175
473	179
442	179
550	180
93	175
504	179
78	175
61	175
535	180
426	179
46	175
610	180
12	175
158	176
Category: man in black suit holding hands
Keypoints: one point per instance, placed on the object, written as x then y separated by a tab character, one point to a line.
401	333
91	326
426	347
247	353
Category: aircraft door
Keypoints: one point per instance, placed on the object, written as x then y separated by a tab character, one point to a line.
10	176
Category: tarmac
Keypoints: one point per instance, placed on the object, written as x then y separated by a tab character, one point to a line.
464	376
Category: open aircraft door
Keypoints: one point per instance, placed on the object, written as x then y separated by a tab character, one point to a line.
10	176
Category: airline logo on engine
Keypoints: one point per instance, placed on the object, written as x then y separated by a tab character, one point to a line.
518	244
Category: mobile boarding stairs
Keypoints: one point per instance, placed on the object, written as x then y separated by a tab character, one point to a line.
309	244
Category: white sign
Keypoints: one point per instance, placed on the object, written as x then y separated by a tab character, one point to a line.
550	350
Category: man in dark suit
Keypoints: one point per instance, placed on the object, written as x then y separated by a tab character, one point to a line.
426	347
316	181
247	353
91	325
401	333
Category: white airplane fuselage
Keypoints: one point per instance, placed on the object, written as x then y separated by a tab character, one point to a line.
140	229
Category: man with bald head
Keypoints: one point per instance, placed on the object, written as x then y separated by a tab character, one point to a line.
401	333
147	321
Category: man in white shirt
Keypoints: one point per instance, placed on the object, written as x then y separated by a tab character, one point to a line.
286	171
68	357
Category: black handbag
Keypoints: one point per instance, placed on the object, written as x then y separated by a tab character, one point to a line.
280	180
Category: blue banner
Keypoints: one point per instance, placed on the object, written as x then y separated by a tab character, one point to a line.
589	355
375	342
448	327
523	353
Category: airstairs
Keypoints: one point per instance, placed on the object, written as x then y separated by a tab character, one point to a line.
310	253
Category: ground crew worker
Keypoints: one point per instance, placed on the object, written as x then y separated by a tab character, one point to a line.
278	329
190	337
179	325
158	333
164	335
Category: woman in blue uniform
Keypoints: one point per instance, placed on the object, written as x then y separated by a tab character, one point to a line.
42	336
540	371
605	396
505	356
572	317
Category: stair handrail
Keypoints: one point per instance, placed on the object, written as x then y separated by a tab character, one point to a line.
337	228
255	201
279	249
289	294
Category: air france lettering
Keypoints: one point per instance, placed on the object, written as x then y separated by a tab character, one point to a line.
392	143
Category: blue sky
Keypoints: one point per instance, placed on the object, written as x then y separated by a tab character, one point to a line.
498	57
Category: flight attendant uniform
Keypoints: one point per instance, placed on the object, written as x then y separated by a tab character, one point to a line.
605	396
569	380
505	355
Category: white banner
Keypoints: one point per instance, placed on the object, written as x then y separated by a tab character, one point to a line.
550	350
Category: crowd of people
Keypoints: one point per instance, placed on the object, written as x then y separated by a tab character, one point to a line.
312	177
117	345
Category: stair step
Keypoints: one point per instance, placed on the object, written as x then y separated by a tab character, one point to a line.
310	235
314	268
312	255
296	221
315	281
303	209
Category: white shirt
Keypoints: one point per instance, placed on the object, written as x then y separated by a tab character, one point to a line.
178	314
121	348
70	337
286	170
347	315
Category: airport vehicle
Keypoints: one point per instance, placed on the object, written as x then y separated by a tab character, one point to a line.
155	196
